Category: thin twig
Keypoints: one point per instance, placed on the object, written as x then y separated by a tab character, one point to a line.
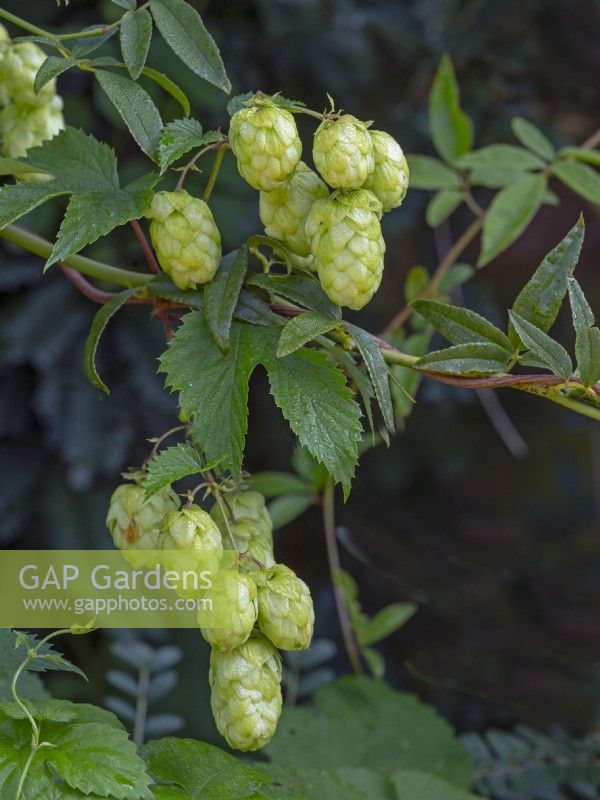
86	288
333	557
212	178
502	423
144	244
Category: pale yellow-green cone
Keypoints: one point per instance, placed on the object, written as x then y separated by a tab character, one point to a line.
343	152
190	529
389	179
185	237
347	245
24	127
19	67
234	596
283	210
285	609
266	145
250	526
246	692
135	521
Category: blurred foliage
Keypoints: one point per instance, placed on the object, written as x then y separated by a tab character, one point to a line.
500	555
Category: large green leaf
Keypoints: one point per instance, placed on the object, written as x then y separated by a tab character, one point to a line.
201	771
172	464
543	347
474	358
309	783
183	30
303	329
501	156
135	33
581	178
509	214
136	107
19	199
533	138
461	325
430	173
412	785
451	129
308	388
357	722
222	293
540	299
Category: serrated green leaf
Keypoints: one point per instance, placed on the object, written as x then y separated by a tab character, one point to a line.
273	484
386	622
583	316
172	464
288	507
450	128
222	293
429	173
413	785
135	35
587	353
177	139
13	651
461	325
509	214
543	346
51	68
532	137
19	199
581	178
303	329
378	370
474	358
169	86
182	28
441	205
136	108
99	323
493	178
501	156
583	154
299	289
539	301
201	771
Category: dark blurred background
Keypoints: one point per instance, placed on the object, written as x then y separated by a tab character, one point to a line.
501	553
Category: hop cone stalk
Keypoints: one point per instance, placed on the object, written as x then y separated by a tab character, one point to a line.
343	152
283	210
347	245
389	179
185	237
285	608
246	692
234	598
249	523
134	521
266	145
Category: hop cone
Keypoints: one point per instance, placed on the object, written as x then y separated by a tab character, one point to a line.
190	529
19	66
185	237
266	145
348	246
389	179
234	597
343	152
246	692
24	127
135	521
285	608
283	210
4	45
250	525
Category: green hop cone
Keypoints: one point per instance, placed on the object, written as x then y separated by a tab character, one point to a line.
24	127
347	245
389	179
234	599
133	520
190	529
250	526
185	237
343	152
283	210
19	67
246	692
266	145
285	608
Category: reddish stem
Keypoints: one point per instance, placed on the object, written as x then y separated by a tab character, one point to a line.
144	244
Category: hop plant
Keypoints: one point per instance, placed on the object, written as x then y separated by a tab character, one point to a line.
250	525
246	692
190	529
285	608
4	45
185	237
133	520
389	179
343	152
19	66
265	141
347	245
234	598
283	210
24	127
